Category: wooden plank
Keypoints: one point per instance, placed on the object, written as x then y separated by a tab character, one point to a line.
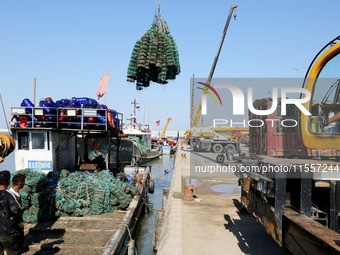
59	246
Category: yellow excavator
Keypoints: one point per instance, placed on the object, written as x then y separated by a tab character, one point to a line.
298	201
7	145
166	125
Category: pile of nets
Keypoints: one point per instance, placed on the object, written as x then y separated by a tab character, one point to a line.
37	196
155	56
72	194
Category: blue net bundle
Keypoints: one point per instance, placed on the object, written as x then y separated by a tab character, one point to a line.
155	56
66	194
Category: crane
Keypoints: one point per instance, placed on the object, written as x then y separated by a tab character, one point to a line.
198	114
166	125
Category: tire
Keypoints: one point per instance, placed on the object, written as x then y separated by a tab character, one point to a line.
230	147
217	148
220	158
151	186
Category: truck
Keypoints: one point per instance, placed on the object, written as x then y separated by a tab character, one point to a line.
291	181
216	139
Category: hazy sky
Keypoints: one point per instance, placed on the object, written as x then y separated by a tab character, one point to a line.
69	45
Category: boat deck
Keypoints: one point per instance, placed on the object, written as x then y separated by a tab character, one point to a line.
72	235
90	235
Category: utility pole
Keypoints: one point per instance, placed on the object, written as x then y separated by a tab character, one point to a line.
192	101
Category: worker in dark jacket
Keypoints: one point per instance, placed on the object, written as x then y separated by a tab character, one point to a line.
18	182
10	212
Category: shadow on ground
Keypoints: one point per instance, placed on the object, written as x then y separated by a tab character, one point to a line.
248	237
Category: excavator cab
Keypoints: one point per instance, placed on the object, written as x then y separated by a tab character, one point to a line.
321	130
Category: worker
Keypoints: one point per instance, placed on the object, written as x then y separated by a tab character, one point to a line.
324	121
18	182
10	215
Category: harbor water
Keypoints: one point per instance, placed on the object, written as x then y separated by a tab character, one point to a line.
161	170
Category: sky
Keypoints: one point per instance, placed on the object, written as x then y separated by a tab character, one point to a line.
69	45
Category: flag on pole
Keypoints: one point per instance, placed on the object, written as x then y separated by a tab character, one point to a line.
102	88
158	123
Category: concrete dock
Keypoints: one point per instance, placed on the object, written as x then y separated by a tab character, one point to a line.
214	222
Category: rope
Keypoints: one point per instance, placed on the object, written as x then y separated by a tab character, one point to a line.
127	227
159	177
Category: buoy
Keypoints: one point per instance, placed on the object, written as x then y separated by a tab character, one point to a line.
23	124
132	249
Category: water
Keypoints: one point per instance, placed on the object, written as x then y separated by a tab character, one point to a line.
144	231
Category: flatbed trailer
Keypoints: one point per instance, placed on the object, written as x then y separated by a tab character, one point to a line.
107	233
297	201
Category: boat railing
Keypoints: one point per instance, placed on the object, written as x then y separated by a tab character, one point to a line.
68	118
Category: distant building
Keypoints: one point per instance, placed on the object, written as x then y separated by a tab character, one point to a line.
168	134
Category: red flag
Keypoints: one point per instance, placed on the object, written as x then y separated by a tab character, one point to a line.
102	88
158	123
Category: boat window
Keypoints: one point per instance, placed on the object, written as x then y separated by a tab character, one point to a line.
326	98
38	141
23	141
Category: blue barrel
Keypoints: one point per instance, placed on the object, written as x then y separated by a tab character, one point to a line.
101	119
63	103
27	103
49	102
81	101
92	103
76	119
42	103
101	109
72	104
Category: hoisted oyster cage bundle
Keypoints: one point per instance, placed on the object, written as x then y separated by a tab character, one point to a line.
155	56
77	113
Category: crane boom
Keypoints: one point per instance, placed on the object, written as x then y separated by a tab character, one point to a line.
166	125
198	114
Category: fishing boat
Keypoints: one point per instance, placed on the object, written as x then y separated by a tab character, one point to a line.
140	135
78	136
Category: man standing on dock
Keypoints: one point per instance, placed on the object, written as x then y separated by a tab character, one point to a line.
10	211
18	182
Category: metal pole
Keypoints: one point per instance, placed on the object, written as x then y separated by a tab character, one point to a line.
35	87
3	108
221	43
198	114
192	101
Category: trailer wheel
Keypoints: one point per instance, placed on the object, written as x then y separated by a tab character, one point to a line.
230	147
220	158
217	148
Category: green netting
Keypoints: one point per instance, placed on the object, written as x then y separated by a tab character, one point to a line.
155	56
72	194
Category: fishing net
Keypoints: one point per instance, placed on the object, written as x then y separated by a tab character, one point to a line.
155	56
72	194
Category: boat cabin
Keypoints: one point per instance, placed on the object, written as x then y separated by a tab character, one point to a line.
62	138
